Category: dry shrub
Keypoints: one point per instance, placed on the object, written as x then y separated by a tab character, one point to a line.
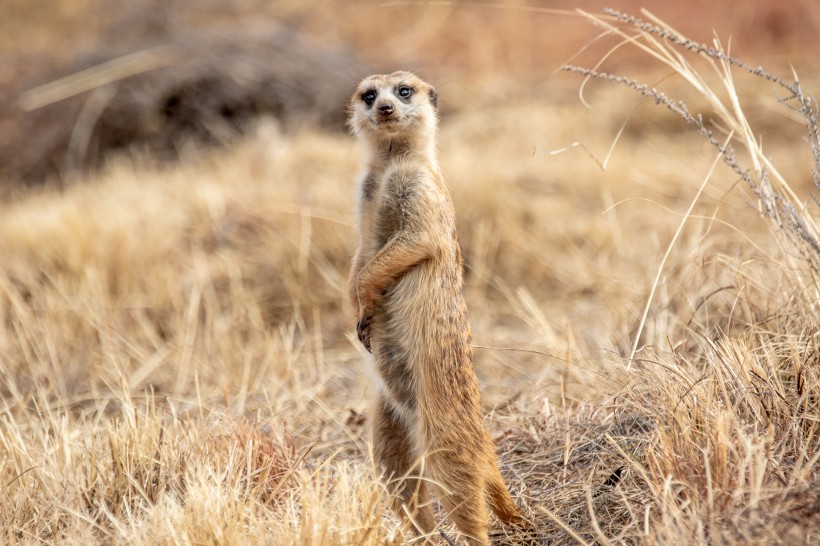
150	291
741	442
736	454
575	473
105	477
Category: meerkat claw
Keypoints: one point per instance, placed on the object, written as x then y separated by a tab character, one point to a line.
363	330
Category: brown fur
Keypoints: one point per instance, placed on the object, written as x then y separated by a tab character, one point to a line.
406	286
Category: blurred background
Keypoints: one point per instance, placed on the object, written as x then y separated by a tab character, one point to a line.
84	79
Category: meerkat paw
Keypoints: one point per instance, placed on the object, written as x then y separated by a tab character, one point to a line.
363	330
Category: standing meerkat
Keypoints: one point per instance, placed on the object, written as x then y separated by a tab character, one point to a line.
406	287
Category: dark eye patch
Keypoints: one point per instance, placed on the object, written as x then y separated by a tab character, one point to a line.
369	97
405	92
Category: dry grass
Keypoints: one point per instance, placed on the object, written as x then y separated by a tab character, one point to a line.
176	364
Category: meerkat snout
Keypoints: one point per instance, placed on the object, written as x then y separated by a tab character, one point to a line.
386	109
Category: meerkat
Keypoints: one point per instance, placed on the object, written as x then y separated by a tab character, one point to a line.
406	287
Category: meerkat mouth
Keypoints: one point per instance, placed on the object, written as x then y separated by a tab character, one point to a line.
389	123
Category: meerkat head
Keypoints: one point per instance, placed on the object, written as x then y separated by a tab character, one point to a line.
394	107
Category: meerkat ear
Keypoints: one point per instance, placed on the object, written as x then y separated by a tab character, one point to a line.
433	97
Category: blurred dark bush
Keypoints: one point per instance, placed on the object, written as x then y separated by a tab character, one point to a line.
162	91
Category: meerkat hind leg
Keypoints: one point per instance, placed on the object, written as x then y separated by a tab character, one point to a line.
395	455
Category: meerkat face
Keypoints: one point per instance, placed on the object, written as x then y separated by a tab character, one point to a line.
393	106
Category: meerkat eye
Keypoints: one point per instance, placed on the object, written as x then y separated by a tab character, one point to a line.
369	97
405	91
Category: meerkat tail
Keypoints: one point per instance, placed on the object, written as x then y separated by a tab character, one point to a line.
499	499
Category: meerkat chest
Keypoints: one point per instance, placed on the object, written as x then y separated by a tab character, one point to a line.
378	216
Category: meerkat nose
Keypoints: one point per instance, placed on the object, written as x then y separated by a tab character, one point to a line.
385	109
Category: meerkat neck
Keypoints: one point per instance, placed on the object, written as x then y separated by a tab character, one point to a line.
394	149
